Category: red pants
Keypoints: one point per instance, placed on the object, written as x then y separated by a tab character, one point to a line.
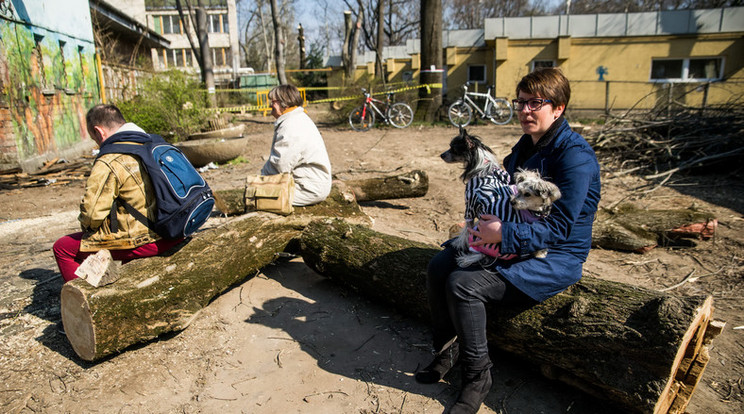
69	257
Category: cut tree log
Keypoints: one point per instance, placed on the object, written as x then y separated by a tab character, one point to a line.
158	295
644	350
406	185
628	228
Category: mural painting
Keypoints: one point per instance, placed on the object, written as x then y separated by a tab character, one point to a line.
48	81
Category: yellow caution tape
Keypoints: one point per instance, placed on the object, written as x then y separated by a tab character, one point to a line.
251	108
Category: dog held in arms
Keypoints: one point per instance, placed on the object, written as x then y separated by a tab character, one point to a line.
487	191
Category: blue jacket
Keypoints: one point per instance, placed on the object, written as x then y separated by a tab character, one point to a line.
566	159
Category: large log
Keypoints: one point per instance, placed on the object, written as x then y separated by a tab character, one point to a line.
410	184
642	349
158	295
406	185
629	228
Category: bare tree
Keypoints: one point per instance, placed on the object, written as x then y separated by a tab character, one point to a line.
258	40
431	57
198	22
351	39
471	14
278	43
400	21
380	43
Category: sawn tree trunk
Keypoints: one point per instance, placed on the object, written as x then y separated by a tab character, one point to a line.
642	349
157	295
406	185
628	228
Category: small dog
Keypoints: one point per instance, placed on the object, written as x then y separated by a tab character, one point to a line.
487	191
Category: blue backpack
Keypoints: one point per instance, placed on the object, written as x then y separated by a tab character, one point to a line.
184	199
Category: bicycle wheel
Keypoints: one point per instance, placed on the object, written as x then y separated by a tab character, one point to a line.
400	115
500	112
359	123
460	114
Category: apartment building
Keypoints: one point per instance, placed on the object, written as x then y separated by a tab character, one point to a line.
163	17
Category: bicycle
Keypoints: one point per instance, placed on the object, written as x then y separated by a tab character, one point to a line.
397	114
496	110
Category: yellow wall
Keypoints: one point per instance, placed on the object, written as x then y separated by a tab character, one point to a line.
627	61
628	65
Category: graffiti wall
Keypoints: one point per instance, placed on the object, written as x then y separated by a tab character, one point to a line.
48	79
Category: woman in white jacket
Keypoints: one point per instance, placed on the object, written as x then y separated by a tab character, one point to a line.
298	148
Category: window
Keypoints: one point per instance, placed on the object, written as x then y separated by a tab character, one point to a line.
218	23
540	64
63	66
686	70
477	73
41	64
167	24
177	58
83	66
221	56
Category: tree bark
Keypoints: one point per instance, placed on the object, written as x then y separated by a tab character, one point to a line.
380	41
410	184
207	65
301	40
641	349
407	185
431	58
345	49
628	228
278	43
162	294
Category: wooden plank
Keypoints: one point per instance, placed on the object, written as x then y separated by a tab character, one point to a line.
667	399
690	382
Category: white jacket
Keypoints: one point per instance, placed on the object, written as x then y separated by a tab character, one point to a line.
298	148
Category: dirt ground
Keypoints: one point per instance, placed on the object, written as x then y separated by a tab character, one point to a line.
287	340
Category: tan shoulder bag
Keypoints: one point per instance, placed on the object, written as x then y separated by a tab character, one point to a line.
273	193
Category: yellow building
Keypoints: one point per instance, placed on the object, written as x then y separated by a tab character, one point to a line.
614	61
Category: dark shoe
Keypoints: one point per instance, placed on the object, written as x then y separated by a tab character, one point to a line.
475	388
443	362
60	328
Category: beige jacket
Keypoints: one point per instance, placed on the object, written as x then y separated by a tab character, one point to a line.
112	176
299	148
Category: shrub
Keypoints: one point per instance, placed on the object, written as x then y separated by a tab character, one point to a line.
171	104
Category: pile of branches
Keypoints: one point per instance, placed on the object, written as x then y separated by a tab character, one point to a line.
672	138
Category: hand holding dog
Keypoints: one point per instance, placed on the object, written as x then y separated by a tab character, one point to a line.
489	230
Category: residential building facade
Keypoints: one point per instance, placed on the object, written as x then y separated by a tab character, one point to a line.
615	61
222	22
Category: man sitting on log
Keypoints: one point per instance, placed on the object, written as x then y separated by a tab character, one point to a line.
113	176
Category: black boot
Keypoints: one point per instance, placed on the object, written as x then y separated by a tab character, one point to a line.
443	362
475	388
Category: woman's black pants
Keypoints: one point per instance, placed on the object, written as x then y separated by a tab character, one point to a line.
458	298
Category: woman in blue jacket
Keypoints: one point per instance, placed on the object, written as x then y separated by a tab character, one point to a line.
458	297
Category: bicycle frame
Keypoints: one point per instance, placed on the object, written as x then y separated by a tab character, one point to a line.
369	101
466	97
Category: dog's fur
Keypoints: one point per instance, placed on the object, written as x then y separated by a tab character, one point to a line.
488	190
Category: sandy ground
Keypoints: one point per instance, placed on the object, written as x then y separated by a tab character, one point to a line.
288	340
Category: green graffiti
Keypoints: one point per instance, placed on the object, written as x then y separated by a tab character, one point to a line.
51	81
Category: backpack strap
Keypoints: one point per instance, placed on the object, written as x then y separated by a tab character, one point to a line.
114	225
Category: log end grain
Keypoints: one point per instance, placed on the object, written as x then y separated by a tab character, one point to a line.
78	322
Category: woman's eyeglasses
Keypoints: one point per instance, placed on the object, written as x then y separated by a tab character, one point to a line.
534	104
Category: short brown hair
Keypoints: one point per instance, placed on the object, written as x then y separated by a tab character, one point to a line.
108	116
287	96
548	83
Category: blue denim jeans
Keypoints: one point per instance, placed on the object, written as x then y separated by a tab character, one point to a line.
457	300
